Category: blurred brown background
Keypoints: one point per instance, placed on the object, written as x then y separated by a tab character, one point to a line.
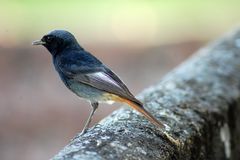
139	40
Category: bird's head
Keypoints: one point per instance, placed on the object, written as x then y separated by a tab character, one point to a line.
58	40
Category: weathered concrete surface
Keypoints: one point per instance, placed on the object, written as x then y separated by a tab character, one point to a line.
199	100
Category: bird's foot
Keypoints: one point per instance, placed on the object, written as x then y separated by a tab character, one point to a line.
83	132
80	134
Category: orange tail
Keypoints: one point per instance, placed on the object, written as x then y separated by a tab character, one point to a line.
139	108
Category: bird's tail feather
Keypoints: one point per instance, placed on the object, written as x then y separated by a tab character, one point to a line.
137	105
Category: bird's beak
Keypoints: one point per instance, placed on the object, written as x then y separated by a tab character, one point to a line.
38	42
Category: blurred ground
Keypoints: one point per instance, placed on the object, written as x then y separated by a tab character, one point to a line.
139	40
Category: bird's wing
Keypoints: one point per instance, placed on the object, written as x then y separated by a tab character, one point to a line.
105	82
113	76
78	62
92	72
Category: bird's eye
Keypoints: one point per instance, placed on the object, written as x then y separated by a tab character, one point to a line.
49	39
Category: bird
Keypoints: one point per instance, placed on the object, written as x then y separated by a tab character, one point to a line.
87	76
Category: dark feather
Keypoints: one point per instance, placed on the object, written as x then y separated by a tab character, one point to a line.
73	66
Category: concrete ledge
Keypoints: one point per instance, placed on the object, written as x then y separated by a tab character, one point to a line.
199	101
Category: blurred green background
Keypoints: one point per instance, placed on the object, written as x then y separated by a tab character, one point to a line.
144	21
140	40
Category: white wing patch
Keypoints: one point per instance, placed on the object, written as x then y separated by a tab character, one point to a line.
104	77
